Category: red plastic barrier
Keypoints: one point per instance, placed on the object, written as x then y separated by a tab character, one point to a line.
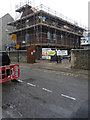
9	72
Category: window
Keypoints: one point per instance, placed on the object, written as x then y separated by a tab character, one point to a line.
27	38
62	39
48	35
27	23
54	36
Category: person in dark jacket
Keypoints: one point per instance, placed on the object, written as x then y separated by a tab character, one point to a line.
60	58
56	56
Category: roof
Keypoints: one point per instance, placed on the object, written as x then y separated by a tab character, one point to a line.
7	14
23	7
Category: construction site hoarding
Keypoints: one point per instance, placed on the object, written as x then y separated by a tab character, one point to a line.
47	53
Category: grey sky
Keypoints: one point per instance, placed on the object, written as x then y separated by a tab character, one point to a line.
74	9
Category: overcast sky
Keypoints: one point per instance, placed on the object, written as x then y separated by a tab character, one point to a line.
76	10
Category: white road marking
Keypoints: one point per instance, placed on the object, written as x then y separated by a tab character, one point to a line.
31	84
46	90
19	80
20	114
68	97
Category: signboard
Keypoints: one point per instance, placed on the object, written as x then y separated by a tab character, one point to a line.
14	37
58	52
17	46
51	53
62	52
85	41
47	53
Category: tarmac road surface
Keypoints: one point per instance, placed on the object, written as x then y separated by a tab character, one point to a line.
45	91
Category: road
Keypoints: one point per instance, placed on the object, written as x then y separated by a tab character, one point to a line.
42	92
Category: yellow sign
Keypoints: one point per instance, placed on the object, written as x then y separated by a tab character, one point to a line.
43	20
49	58
14	37
17	46
51	53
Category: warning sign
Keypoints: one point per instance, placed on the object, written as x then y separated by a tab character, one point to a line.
17	46
14	37
33	51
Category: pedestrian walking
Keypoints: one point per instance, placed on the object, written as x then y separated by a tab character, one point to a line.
70	59
60	59
56	56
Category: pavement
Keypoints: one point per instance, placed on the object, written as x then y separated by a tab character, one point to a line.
53	65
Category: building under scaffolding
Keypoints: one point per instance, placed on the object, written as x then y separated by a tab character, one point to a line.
42	27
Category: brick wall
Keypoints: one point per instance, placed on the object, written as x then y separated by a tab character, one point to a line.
80	59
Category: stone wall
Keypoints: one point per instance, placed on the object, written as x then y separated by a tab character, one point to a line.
20	55
80	59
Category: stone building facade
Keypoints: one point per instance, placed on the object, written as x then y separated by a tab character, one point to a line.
5	39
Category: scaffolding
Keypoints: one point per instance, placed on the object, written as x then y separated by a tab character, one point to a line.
48	10
18	6
42	26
